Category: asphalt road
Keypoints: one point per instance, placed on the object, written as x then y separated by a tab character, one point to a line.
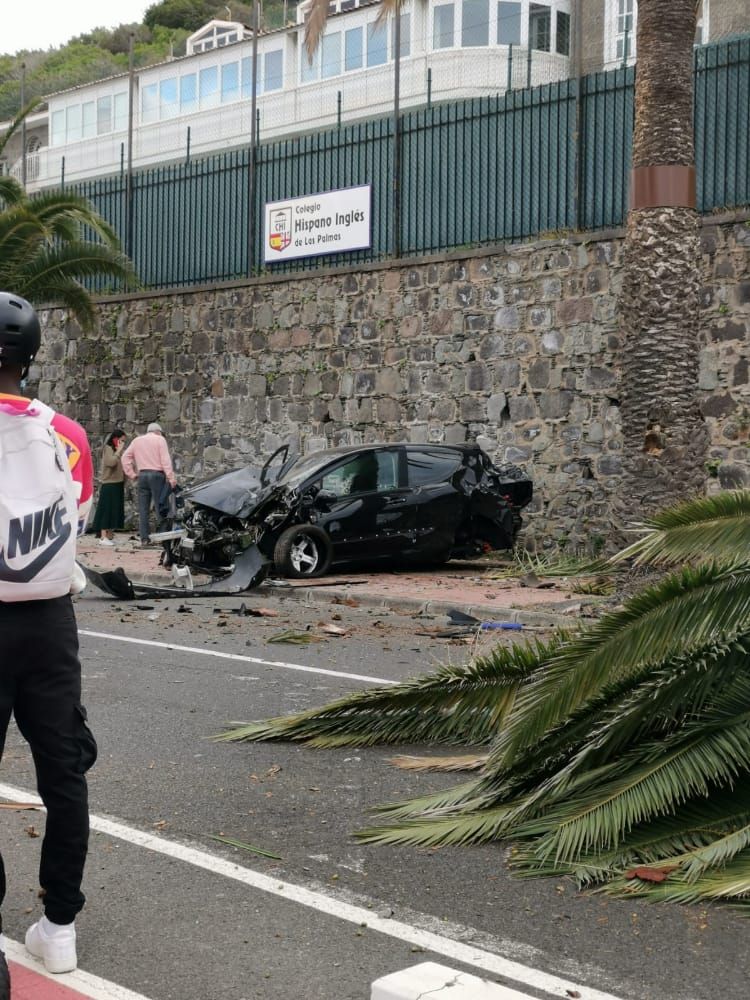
172	927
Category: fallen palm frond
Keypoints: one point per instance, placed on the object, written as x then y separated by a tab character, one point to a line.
713	528
469	762
551	565
295	638
619	756
245	847
465	704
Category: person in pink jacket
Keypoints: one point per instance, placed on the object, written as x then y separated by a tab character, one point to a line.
147	461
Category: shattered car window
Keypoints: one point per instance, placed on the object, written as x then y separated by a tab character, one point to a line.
373	471
425	467
304	467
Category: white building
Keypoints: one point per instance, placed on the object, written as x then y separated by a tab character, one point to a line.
201	103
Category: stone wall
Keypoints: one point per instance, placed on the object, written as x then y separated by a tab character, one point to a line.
515	347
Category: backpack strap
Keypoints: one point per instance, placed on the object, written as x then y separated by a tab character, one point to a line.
46	414
41	409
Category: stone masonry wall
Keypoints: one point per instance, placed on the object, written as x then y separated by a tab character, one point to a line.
516	348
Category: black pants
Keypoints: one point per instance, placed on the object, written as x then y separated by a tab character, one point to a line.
40	682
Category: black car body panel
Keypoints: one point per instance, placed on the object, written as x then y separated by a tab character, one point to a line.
380	501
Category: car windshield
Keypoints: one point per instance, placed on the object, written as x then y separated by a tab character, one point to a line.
305	466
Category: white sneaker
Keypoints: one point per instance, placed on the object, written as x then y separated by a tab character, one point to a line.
106	541
55	944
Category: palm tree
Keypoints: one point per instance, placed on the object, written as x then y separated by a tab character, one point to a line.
664	436
51	242
619	755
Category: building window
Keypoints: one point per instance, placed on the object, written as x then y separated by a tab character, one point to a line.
247	78
562	42
330	55
104	113
625	34
540	27
405	36
442	26
508	23
168	106
89	119
701	27
149	104
273	66
57	134
309	68
73	123
121	112
188	92
353	56
475	23
208	87
377	44
230	82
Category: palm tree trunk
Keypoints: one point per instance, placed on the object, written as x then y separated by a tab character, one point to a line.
664	436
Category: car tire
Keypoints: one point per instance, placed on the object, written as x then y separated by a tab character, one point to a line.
302	551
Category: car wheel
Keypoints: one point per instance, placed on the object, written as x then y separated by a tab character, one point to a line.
302	550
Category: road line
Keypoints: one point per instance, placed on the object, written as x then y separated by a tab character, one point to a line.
416	936
237	656
31	981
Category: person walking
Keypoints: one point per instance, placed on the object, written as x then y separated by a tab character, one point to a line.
110	511
147	461
46	485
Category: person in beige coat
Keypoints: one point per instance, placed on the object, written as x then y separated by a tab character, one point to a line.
110	511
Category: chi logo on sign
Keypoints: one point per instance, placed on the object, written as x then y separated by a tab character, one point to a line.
280	235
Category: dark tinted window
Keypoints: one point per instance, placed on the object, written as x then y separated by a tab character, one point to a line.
369	472
430	466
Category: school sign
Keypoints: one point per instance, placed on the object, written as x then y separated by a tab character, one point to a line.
329	222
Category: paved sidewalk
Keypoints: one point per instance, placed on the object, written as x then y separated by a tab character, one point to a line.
467	587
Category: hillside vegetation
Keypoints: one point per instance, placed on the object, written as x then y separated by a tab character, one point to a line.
103	52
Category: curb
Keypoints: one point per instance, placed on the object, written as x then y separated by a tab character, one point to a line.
416	605
439	981
406	605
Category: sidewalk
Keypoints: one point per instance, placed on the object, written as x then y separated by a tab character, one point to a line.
466	587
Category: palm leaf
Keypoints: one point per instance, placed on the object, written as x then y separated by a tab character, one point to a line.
674	616
455	704
464	762
652	781
709	528
471	828
730	882
646	704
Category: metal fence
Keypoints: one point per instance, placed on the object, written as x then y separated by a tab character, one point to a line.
543	159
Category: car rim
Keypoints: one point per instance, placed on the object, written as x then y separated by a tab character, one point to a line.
304	555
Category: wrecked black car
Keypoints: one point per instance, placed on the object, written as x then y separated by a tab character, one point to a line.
417	504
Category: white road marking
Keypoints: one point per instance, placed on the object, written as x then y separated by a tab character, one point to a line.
237	656
416	936
83	982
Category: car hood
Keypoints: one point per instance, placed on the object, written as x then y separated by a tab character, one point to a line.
237	493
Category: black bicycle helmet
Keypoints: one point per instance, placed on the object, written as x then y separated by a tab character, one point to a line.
20	333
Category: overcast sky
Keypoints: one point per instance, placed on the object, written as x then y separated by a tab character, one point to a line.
44	24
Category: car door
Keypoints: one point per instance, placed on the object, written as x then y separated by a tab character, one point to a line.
362	505
434	507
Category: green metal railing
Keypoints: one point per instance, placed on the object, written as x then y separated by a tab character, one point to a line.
493	169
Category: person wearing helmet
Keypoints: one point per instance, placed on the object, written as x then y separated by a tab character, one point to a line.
40	672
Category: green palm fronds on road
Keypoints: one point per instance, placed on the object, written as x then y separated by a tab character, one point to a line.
619	756
464	705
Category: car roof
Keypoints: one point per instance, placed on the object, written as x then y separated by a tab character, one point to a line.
355	449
